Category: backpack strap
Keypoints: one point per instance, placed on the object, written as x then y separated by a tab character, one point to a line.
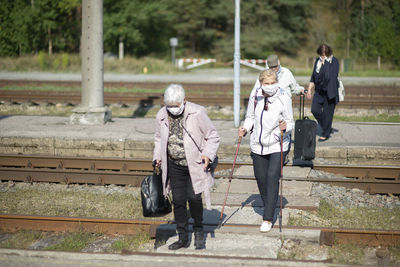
255	98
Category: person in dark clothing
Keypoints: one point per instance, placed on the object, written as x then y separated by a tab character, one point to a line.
324	80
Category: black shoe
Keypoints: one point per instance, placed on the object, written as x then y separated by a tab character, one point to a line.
323	139
199	240
179	244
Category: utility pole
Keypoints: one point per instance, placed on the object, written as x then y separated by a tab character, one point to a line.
236	67
92	110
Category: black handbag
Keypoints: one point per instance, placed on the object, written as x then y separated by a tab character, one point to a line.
154	203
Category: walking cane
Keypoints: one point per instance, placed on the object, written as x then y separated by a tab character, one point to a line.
281	182
229	182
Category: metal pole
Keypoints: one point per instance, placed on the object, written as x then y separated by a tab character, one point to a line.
236	58
173	55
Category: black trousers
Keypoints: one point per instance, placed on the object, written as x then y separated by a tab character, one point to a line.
267	170
182	193
323	112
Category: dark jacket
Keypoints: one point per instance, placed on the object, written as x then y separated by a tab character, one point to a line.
326	81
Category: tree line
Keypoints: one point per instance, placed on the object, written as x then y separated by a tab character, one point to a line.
355	28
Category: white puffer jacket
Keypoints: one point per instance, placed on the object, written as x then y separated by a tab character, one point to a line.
264	124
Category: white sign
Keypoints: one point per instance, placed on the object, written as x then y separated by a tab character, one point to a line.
173	41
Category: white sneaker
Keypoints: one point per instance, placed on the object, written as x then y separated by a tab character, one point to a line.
265	226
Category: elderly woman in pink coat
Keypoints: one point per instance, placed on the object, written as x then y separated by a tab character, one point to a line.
185	143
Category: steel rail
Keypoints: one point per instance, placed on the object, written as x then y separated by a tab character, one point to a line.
74	97
328	236
100	171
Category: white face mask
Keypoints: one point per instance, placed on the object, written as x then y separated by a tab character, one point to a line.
270	89
176	111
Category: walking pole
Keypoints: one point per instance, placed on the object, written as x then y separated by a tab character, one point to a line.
229	182
281	182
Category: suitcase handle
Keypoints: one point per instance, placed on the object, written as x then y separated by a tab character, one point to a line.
301	108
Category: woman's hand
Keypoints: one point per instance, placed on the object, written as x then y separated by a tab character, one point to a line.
242	131
282	125
309	90
205	160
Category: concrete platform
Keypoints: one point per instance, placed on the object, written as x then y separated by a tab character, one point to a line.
352	143
22	258
247	76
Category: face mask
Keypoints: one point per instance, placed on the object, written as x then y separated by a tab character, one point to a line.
176	111
270	89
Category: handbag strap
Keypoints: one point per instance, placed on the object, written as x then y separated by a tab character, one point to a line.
191	137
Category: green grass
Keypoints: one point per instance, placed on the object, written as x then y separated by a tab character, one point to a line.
22	239
72	63
349	217
74	241
130	242
65	88
67	201
40	88
376	118
347	254
395	254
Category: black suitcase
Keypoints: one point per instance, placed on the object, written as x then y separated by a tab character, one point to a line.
304	139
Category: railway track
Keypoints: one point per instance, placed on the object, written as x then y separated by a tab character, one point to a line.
204	94
25	168
328	236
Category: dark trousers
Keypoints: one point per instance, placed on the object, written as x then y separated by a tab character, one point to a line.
323	112
267	170
182	192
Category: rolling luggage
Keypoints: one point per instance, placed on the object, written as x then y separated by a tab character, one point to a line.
304	139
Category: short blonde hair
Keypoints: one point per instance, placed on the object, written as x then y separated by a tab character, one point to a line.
267	75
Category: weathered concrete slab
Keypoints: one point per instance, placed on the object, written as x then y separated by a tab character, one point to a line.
288	171
244	215
26	145
293	188
34	258
233	245
88	153
254	200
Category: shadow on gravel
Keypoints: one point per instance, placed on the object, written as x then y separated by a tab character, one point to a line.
4	117
144	106
256	202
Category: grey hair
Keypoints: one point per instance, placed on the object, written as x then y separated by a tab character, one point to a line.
174	94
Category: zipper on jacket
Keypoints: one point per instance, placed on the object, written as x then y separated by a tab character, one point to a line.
261	128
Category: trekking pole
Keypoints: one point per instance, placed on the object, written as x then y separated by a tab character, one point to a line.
229	182
281	182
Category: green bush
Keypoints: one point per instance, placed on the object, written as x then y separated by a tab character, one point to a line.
64	61
56	63
42	60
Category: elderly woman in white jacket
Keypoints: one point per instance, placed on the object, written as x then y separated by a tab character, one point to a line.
185	142
268	113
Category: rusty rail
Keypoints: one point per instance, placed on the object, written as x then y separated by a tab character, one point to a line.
74	97
328	236
30	168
